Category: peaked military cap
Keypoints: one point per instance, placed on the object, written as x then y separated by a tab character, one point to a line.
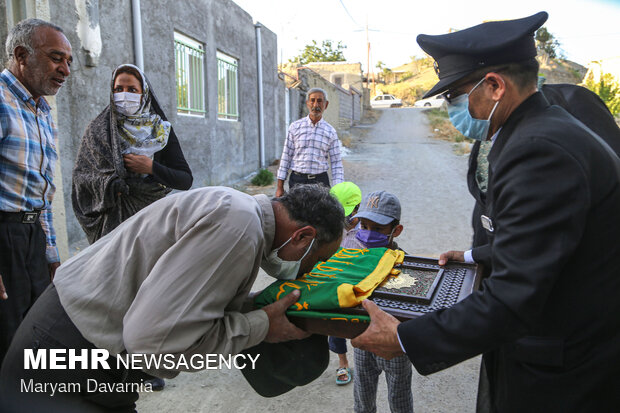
460	53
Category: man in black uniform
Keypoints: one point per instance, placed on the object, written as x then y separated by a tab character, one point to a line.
549	313
586	107
580	102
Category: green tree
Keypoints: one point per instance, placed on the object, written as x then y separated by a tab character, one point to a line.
608	89
327	52
546	43
386	71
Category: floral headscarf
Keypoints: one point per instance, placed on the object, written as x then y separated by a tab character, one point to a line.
145	132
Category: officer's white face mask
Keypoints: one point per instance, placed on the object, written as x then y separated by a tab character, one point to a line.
127	103
279	268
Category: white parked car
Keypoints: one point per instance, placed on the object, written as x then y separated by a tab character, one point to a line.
432	102
385	101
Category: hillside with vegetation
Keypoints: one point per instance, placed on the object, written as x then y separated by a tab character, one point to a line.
413	85
411	81
418	78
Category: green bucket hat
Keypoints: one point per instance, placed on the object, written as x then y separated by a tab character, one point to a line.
348	194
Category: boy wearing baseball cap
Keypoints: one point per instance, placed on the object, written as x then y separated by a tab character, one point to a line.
379	213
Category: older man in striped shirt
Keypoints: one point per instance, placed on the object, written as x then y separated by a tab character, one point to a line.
39	59
309	142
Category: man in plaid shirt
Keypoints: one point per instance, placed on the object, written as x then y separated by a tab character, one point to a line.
39	59
310	140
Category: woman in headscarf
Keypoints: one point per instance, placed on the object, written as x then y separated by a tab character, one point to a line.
129	157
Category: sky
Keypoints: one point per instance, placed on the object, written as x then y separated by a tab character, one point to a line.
586	29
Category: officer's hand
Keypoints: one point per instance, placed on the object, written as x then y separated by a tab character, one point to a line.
458	256
3	295
280	329
381	336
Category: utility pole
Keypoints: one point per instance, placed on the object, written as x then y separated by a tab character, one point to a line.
374	86
367	57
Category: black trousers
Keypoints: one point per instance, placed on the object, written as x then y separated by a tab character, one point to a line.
297	178
47	326
25	274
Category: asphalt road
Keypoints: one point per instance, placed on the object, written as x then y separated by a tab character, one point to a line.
398	155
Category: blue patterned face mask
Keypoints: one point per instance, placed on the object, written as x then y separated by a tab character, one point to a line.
458	109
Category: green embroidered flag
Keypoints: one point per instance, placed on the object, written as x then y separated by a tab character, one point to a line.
345	280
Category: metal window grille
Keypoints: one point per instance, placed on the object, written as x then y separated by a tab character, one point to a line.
189	61
227	91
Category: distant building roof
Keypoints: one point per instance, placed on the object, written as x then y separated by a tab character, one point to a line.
345	67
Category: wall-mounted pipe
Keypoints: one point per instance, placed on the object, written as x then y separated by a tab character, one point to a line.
137	33
261	121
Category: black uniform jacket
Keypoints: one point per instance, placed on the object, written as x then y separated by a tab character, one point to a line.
580	102
550	310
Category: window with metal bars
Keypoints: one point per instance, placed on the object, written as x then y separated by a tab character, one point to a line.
227	91
189	62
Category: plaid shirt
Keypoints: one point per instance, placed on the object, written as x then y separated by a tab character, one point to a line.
27	155
306	149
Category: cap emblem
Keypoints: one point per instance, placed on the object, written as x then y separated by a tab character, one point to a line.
373	202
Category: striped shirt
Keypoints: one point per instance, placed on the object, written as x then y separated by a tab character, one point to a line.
306	149
27	155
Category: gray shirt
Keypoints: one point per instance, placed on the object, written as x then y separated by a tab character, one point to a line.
172	279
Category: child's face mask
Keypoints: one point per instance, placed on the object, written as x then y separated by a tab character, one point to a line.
374	239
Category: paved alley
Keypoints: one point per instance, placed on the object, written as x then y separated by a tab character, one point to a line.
398	155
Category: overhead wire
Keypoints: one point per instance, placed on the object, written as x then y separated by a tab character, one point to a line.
349	14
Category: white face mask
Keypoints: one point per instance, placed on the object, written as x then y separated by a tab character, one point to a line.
127	103
279	268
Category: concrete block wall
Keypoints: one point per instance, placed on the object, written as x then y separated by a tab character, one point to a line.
346	109
218	151
350	74
357	98
356	103
296	105
273	98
